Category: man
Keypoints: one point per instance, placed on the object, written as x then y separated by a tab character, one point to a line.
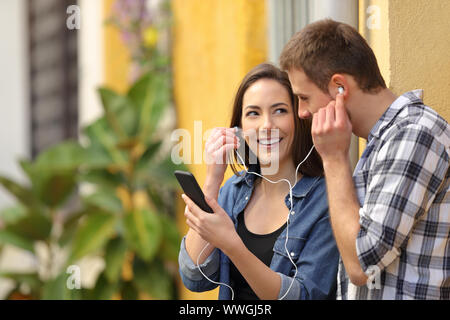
391	221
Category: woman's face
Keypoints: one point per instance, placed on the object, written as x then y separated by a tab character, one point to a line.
268	121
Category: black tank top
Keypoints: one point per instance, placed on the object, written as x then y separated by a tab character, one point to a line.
261	245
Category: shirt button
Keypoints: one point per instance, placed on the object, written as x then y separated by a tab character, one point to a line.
292	212
246	198
292	254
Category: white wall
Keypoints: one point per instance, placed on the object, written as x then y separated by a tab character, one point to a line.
342	10
90	53
14	92
14	116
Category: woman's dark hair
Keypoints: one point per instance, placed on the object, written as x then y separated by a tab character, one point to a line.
302	142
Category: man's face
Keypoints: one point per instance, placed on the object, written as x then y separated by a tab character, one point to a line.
310	97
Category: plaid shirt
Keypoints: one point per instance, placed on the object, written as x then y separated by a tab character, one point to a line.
402	183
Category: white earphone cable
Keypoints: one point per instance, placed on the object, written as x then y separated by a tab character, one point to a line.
207	278
287	225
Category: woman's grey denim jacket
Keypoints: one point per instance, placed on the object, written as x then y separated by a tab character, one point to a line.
311	243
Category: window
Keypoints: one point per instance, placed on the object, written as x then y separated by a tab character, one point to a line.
53	74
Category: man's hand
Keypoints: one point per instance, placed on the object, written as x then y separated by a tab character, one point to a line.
332	130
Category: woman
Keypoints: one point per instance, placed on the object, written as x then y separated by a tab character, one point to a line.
246	244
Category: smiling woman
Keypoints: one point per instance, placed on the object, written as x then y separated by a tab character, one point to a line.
247	246
247	109
268	112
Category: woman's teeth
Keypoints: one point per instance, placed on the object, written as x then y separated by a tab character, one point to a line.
266	142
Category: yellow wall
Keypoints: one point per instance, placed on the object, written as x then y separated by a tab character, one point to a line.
412	47
376	35
374	27
420	50
117	57
215	43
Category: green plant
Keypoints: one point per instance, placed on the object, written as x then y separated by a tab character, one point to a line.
127	218
134	180
37	220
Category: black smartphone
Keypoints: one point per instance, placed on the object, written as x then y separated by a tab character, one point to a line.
192	189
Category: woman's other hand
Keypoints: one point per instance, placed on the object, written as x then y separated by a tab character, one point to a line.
219	144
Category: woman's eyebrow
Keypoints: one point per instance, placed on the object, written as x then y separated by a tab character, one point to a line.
278	104
272	106
252	107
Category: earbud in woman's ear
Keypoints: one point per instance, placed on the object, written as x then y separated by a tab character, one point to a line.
341	90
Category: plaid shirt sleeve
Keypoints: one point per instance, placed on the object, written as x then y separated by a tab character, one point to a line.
405	175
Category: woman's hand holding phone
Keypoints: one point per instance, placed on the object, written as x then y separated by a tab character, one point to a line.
216	229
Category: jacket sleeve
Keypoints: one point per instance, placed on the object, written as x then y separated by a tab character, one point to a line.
189	271
191	276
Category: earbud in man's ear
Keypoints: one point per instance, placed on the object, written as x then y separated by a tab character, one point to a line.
341	90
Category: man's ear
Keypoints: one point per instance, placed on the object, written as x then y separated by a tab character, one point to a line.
338	80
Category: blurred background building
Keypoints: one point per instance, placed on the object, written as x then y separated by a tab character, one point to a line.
50	72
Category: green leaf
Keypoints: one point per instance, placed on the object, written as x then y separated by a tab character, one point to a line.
102	178
54	188
27	167
158	199
119	112
114	258
66	156
161	171
22	194
96	157
143	232
9	237
154	279
147	156
56	289
13	214
53	173
129	291
92	234
34	225
104	200
151	95
103	289
71	224
140	92
171	239
104	143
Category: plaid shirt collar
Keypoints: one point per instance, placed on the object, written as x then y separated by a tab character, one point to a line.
408	98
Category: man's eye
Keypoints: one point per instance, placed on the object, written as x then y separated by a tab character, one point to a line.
303	98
